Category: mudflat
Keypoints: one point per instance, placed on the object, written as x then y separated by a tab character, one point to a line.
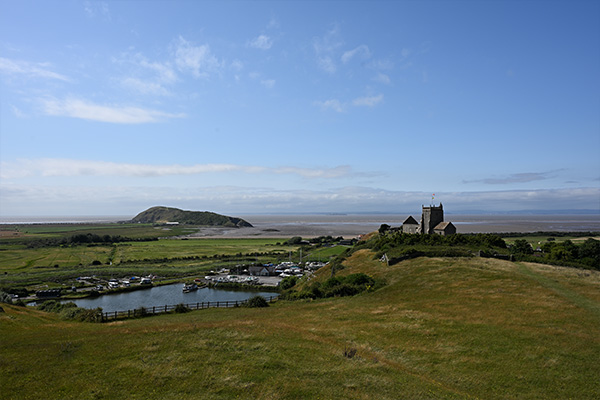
350	226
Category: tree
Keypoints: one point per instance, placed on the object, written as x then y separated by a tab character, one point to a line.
383	228
521	246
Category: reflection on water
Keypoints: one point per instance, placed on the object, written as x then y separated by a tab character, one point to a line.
164	295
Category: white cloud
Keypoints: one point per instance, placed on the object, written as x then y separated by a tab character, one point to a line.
382	78
122	200
97	8
325	48
268	83
237	65
165	71
331	104
262	42
29	70
145	87
327	64
147	77
361	52
521	177
368	101
53	167
197	59
77	108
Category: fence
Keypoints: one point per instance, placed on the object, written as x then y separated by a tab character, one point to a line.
145	311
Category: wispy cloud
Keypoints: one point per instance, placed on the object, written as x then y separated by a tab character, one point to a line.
338	106
362	52
78	108
29	70
325	48
147	77
522	177
368	101
56	167
262	42
116	199
331	104
145	87
382	78
197	59
97	8
268	83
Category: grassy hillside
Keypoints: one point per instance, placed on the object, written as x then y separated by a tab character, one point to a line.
168	214
442	328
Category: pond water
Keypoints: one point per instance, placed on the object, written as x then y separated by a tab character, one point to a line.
164	295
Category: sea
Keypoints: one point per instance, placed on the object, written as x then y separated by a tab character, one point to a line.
350	223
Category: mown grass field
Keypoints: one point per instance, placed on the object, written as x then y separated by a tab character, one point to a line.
441	328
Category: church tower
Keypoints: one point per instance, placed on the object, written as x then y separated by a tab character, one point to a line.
431	216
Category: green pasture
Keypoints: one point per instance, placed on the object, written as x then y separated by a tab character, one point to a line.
536	240
27	233
31	267
441	328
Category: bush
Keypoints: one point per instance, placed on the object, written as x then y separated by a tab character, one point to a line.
5	298
182	308
256	301
288	282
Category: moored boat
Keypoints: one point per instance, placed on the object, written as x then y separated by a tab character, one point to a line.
189	287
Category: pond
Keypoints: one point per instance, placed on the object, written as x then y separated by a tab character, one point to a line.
158	296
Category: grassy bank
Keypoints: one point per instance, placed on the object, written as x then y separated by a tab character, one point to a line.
441	328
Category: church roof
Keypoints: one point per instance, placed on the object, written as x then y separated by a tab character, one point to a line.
443	225
410	221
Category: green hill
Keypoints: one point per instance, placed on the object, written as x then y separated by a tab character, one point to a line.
440	328
204	218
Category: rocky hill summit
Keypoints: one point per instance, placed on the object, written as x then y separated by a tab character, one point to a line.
205	218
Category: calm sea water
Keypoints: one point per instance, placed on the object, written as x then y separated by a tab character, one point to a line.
463	223
164	295
370	222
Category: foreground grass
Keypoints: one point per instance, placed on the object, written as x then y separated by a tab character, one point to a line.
441	328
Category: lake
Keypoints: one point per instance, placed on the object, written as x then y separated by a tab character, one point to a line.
164	295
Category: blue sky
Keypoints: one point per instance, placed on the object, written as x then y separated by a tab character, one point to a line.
107	108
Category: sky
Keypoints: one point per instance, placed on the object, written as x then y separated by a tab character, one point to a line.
111	107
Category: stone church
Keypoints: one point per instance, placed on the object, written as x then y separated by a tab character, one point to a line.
432	222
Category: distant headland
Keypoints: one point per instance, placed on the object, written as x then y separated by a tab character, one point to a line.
174	215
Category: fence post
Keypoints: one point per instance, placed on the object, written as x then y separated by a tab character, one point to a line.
115	315
217	304
165	308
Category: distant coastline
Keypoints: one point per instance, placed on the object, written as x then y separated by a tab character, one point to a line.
350	225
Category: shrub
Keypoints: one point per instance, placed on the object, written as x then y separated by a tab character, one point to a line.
5	298
288	282
90	315
140	312
256	301
182	308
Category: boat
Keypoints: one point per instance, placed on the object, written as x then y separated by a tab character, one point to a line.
189	287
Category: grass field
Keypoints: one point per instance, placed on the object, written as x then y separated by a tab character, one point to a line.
31	267
440	329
